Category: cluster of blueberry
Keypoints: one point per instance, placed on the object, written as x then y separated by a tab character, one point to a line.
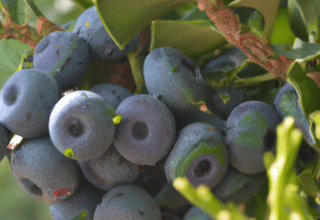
77	146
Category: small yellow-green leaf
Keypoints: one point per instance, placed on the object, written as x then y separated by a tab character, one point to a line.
68	152
266	8
117	119
81	216
193	38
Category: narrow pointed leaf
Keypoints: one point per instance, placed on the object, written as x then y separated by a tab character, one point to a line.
268	9
193	38
123	19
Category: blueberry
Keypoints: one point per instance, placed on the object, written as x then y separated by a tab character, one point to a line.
4	141
128	202
177	80
81	125
112	93
65	55
86	198
199	154
224	100
227	62
90	28
109	170
196	213
251	131
147	130
44	172
26	101
239	187
286	103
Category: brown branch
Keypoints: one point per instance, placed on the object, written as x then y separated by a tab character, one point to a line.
254	48
24	33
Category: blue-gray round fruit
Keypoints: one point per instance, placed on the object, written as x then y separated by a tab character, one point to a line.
128	202
86	198
286	103
81	125
112	93
43	172
224	100
65	55
176	79
196	213
147	131
26	101
200	154
4	141
102	47
251	131
109	170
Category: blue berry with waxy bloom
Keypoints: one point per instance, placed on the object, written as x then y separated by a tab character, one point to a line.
147	131
102	47
81	125
224	100
112	93
109	170
128	202
200	154
4	140
44	172
286	103
65	55
86	198
251	131
26	102
176	78
196	213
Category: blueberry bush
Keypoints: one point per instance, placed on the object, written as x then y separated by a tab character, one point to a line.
160	109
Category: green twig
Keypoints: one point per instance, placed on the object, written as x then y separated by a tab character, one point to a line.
136	63
203	198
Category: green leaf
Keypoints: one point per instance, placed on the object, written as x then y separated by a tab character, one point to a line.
282	34
237	182
300	50
12	8
84	4
193	38
314	121
297	18
123	19
308	91
11	52
255	22
268	9
307	183
195	14
81	216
